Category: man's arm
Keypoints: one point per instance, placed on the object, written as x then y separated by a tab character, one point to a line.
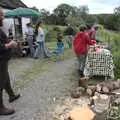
89	41
4	44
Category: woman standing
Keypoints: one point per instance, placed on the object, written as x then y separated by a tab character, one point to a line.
40	38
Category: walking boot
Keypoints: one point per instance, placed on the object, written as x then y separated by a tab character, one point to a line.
3	110
9	90
6	111
14	97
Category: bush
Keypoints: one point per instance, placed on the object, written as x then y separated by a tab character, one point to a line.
51	36
75	30
56	28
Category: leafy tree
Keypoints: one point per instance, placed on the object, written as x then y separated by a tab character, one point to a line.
74	20
91	19
44	15
34	19
117	10
79	17
112	22
82	11
34	8
61	12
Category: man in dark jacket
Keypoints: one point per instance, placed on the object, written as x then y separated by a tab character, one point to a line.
5	48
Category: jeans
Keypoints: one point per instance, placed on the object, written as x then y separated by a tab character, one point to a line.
30	44
41	48
69	40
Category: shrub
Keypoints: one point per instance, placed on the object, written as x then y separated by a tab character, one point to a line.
56	28
51	36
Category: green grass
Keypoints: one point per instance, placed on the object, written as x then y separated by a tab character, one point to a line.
112	39
51	44
31	73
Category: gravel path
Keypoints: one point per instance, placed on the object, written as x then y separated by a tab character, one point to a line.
40	96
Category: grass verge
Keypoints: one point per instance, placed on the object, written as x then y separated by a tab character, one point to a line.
39	66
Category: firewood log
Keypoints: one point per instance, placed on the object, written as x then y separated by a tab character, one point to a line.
76	93
90	90
105	89
83	82
98	88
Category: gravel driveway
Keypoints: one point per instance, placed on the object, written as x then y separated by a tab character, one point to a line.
40	96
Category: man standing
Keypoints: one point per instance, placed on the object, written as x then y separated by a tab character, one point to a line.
29	34
5	48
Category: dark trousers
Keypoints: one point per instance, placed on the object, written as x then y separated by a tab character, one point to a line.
4	80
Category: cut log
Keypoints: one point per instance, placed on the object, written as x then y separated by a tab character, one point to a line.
105	89
108	87
116	101
113	85
83	82
116	85
98	88
101	105
90	90
76	93
81	114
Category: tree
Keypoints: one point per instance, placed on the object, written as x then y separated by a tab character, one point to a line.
112	22
74	21
117	10
34	8
83	12
61	12
44	15
34	19
78	17
52	19
91	19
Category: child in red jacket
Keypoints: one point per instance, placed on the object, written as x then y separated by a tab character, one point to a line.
80	45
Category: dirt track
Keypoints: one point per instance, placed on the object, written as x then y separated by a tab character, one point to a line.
41	93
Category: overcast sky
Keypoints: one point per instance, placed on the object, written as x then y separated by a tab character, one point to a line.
95	6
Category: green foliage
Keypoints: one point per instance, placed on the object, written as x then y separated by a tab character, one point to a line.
66	14
56	28
51	36
44	16
114	112
52	30
112	39
74	21
75	30
61	12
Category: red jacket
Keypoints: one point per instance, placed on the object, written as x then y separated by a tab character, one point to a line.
80	42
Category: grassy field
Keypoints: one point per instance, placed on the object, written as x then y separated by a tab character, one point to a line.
112	39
